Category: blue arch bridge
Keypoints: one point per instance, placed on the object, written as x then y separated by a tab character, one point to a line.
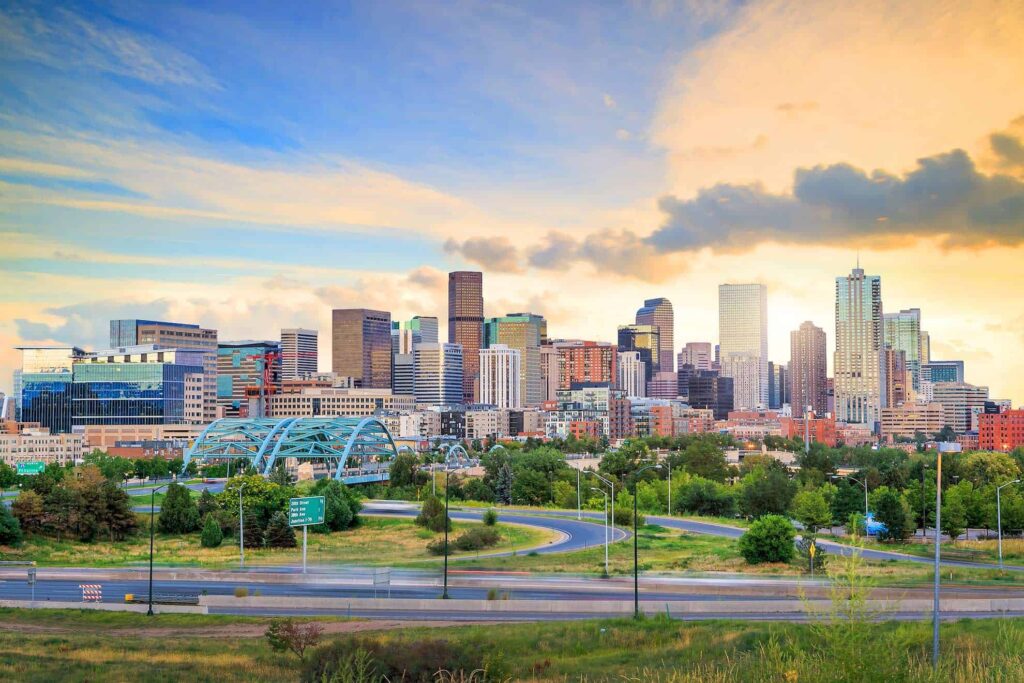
354	450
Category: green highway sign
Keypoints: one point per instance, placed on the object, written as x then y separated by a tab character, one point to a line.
31	468
306	511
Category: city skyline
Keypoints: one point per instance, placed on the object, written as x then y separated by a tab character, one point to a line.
173	181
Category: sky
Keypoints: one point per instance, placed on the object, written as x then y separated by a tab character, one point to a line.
250	166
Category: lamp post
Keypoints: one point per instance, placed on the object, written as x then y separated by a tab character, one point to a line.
865	485
241	527
605	494
152	507
579	499
636	551
611	494
669	487
944	447
444	596
999	518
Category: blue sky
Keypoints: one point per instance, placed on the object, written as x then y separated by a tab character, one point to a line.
250	165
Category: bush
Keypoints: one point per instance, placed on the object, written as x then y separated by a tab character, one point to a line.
279	534
490	518
212	536
803	550
178	513
892	511
432	515
769	539
417	661
241	592
286	635
477	538
10	529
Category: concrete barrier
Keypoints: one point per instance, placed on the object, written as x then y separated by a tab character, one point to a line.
105	606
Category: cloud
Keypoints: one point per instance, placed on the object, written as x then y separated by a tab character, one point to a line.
68	41
609	101
493	253
1008	148
619	252
428	278
623	134
88	324
944	196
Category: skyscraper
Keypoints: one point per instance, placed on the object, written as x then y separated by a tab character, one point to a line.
698	354
743	341
897	377
298	352
437	374
903	333
361	346
778	385
501	376
709	390
247	371
860	349
807	369
585	362
632	377
658	312
466	324
522	331
645	340
549	372
417	330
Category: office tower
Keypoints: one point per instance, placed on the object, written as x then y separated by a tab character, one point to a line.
683	375
184	336
361	346
778	385
658	312
521	331
248	374
903	333
46	378
16	386
663	385
501	376
898	380
632	374
643	339
936	371
926	348
959	401
807	369
466	324
708	389
437	374
549	372
418	329
859	358
145	384
299	353
743	341
402	374
698	354
585	361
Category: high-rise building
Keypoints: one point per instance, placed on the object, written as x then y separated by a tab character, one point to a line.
710	390
549	372
299	355
632	376
501	376
698	354
184	336
16	386
683	375
417	330
860	349
437	374
935	371
960	401
663	385
903	333
807	369
643	339
926	348
1001	431
897	377
521	331
248	374
743	341
46	378
466	324
361	346
658	312
778	385
585	362
402	374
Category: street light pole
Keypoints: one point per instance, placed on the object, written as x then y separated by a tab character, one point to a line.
611	494
579	499
944	447
605	494
444	596
152	507
999	518
241	528
669	487
865	484
636	551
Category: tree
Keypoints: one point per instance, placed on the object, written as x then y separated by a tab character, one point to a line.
432	515
848	499
705	497
405	471
280	475
28	508
769	539
212	536
503	484
705	459
341	509
984	468
811	509
10	529
121	520
285	635
892	511
564	494
767	491
207	503
947	433
8	476
954	513
61	508
490	517
279	534
178	513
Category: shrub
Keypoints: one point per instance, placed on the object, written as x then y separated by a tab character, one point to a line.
212	536
178	513
490	518
10	529
432	515
769	539
477	538
241	592
418	661
892	511
279	534
286	635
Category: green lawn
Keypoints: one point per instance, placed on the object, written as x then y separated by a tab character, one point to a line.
71	645
377	540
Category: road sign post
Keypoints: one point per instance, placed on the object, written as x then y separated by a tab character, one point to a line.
304	512
32	581
811	550
30	469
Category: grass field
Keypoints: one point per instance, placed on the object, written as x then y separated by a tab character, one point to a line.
81	646
377	540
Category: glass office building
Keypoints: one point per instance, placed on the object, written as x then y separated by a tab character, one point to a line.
130	393
45	385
